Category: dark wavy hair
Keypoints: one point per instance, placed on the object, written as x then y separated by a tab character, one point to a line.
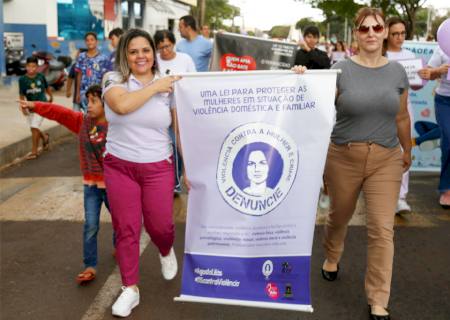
94	90
160	35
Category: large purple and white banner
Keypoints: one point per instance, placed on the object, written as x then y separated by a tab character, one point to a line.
254	146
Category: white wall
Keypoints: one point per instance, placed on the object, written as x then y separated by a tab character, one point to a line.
32	12
52	17
154	20
117	23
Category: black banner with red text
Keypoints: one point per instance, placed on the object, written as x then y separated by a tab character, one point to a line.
234	52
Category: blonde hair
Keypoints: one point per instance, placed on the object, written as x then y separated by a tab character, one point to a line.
122	52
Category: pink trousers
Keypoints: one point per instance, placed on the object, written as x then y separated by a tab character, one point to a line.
139	192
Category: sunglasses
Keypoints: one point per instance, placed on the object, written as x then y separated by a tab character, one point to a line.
378	28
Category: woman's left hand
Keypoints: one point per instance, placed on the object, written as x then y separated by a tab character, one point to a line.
406	160
299	69
186	182
425	73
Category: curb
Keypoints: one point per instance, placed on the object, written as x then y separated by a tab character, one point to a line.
19	149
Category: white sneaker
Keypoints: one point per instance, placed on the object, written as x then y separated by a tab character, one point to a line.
128	299
169	266
402	207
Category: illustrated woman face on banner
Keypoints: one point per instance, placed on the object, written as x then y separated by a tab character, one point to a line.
257	173
257	169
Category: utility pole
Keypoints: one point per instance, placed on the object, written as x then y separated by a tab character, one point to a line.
2	48
328	31
346	32
201	12
429	17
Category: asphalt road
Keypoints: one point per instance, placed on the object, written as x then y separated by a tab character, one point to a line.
41	226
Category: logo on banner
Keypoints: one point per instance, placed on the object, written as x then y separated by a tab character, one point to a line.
272	290
286	267
288	291
267	268
257	166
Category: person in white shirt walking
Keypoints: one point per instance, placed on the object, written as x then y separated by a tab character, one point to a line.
171	62
394	51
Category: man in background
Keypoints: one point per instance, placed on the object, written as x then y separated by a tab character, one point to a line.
193	44
114	37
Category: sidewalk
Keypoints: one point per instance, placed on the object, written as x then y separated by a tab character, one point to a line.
15	135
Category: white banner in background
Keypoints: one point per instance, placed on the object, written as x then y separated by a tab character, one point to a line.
426	155
254	146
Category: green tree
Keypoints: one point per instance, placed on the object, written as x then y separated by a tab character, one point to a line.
216	11
437	21
302	23
387	6
421	22
332	8
348	9
336	12
336	27
409	9
280	32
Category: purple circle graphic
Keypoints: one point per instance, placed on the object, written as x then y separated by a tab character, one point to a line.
274	161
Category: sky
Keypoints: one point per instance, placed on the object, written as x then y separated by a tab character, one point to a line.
263	14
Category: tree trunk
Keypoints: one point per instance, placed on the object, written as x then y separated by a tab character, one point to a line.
412	23
411	17
201	12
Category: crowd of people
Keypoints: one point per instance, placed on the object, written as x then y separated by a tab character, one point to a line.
125	116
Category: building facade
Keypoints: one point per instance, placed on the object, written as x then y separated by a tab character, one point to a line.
58	26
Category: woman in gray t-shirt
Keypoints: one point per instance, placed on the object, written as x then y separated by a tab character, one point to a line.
372	121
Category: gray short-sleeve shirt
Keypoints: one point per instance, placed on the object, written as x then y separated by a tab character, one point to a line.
368	102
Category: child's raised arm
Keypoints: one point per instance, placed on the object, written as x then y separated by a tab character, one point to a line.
72	120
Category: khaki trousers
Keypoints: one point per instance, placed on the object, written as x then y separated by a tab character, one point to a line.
377	171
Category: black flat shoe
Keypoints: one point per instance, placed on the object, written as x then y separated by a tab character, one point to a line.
377	317
330	275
